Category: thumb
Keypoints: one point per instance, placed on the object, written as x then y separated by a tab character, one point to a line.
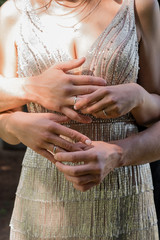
69	65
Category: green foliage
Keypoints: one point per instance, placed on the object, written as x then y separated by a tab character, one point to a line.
2	1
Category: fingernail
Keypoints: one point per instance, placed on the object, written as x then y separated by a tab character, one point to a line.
55	157
75	107
88	142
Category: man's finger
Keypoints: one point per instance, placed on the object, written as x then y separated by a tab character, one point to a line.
85	187
74	171
79	156
97	107
81	180
89	99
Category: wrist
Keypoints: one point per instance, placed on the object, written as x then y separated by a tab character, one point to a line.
10	129
29	89
12	122
139	96
124	145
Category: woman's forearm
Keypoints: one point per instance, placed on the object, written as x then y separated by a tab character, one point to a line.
12	94
5	134
141	148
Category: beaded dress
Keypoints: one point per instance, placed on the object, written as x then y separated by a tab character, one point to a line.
47	207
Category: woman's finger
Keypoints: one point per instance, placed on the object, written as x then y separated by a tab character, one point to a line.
87	80
54	140
58	118
75	116
69	65
46	154
57	129
53	149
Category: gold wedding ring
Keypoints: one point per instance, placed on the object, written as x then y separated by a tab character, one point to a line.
104	113
54	150
75	100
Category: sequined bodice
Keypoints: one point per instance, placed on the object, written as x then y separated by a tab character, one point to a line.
113	56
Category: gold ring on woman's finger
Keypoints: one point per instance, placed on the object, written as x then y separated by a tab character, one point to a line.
104	113
75	100
54	150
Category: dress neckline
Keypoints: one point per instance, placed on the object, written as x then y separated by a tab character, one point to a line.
95	42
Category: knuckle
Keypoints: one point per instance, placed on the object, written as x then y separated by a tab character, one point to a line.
83	188
40	142
112	100
49	116
118	110
74	172
70	148
98	178
88	90
47	136
67	90
89	110
72	134
90	80
105	90
50	127
79	181
66	145
94	156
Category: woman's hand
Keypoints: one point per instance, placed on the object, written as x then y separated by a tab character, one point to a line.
99	160
111	101
41	132
56	88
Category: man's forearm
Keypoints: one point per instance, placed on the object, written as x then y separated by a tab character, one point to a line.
12	94
141	148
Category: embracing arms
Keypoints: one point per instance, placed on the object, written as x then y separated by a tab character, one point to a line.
54	89
141	99
100	159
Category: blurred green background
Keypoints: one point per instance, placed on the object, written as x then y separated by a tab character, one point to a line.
2	1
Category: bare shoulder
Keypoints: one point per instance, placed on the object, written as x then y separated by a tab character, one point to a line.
148	14
9	15
9	18
145	6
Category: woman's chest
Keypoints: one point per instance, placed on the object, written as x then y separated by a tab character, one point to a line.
111	50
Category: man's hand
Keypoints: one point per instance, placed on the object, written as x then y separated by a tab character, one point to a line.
98	161
56	88
111	101
41	132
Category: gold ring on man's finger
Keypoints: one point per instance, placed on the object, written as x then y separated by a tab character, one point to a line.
104	113
75	100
